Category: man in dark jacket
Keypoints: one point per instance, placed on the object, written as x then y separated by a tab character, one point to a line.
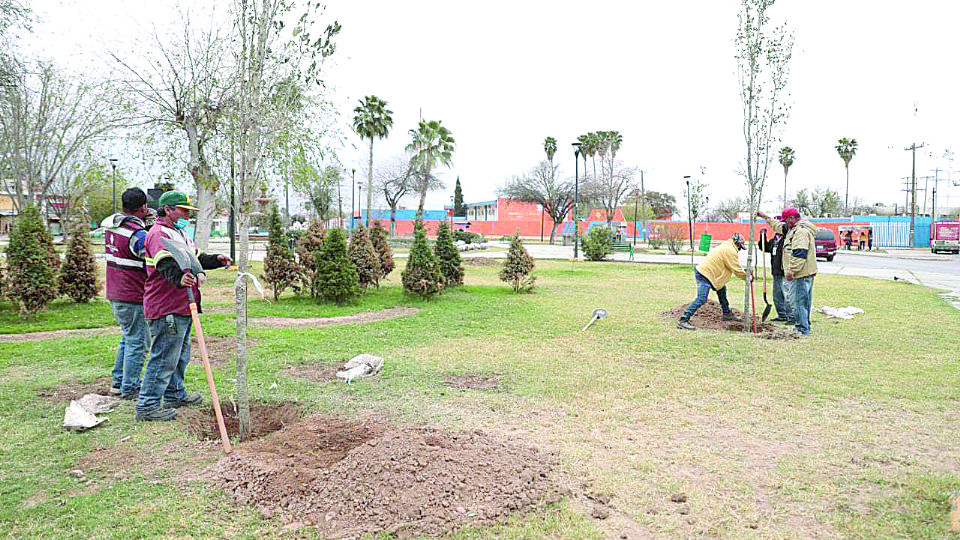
124	237
781	294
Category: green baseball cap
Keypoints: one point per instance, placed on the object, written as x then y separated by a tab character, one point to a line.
175	198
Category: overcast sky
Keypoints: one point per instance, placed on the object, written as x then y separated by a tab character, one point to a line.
503	75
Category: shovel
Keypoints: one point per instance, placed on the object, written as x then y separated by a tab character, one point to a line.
763	251
600	314
188	262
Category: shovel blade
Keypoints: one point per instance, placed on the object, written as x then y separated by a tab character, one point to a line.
766	313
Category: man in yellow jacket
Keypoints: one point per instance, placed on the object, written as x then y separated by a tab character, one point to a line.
714	273
799	262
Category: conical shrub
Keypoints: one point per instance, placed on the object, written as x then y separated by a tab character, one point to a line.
516	269
363	256
280	266
337	279
309	246
78	276
451	265
378	237
422	274
31	277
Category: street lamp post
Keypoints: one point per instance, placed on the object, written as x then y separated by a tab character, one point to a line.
636	215
689	217
113	164
353	174
706	224
576	199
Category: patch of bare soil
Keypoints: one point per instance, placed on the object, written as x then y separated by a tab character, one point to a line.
126	459
352	477
371	316
220	349
710	317
482	261
265	417
75	389
321	372
472	381
58	334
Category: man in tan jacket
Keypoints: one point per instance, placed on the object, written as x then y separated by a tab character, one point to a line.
799	262
713	273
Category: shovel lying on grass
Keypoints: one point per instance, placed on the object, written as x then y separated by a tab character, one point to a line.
188	262
600	314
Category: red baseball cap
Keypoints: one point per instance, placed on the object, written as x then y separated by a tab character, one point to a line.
789	211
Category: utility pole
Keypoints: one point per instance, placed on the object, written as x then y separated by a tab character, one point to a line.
913	190
643	207
936	180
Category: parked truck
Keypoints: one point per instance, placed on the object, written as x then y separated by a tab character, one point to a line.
946	237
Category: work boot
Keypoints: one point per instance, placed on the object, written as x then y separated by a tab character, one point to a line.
185	401
114	390
729	316
684	324
158	414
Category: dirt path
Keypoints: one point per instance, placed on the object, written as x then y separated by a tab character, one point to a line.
371	316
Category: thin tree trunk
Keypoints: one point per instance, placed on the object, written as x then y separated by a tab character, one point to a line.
784	187
243	391
393	221
206	202
370	184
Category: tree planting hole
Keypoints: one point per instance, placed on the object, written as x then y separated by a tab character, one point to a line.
266	418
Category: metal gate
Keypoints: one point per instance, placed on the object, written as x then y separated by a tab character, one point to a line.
891	234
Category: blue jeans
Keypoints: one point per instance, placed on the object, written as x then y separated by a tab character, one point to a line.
802	302
781	297
703	289
133	346
169	356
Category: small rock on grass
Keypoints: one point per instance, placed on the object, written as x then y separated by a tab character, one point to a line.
678	498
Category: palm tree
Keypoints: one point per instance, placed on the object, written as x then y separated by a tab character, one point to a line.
584	141
594	147
847	149
430	143
786	159
550	147
372	119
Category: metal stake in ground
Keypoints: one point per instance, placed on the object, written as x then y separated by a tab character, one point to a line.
600	314
188	263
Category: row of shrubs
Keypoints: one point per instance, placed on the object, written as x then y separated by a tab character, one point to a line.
34	276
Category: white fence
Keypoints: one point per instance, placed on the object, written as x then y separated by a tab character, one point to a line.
892	235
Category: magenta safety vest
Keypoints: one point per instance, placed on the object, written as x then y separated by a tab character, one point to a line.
126	269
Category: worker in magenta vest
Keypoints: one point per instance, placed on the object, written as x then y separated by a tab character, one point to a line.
125	236
167	311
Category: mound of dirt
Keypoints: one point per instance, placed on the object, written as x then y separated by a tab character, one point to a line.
352	477
710	316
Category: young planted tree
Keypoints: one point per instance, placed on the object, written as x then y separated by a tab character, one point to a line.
309	246
372	120
451	265
847	148
763	66
422	275
431	143
261	63
786	159
280	267
78	276
31	279
598	243
364	257
378	237
517	267
337	279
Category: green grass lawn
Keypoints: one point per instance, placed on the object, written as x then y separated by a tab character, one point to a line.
848	433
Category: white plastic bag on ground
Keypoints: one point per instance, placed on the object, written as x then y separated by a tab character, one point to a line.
362	365
840	313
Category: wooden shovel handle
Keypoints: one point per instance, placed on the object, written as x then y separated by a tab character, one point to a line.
213	388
